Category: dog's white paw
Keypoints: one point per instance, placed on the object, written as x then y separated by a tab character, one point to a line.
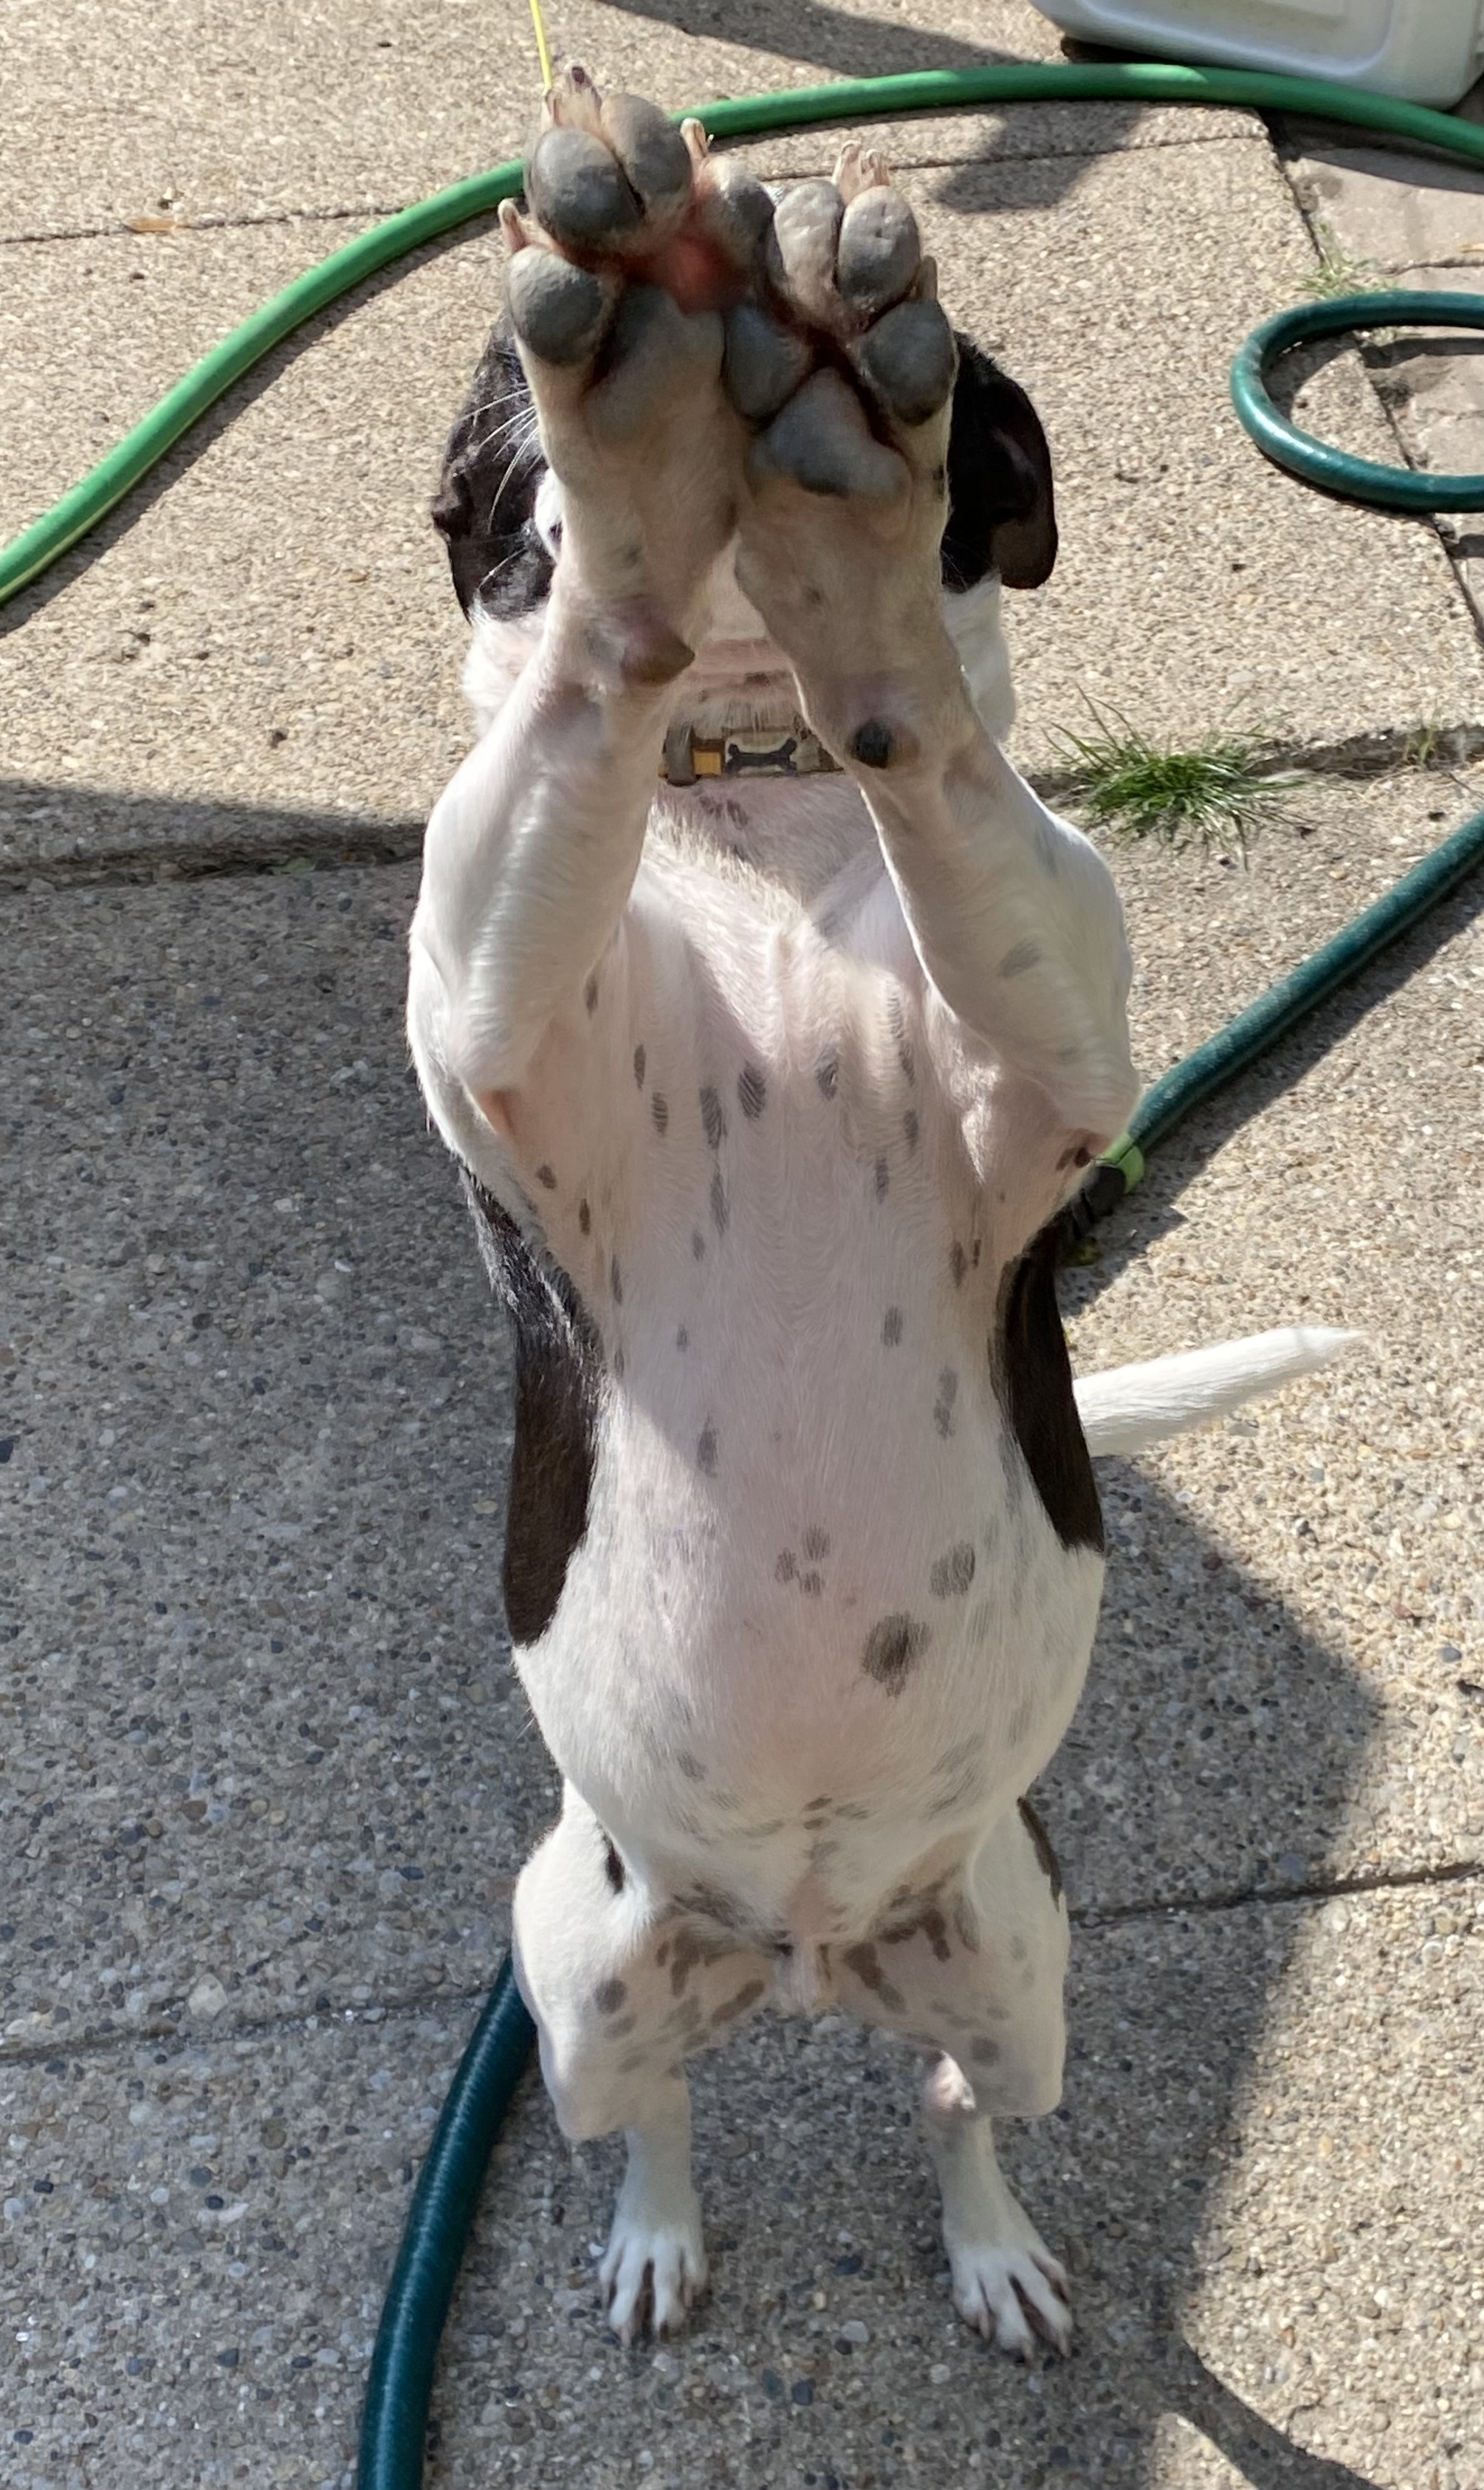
653	2272
1013	2295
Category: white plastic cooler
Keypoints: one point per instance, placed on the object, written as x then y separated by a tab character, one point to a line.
1427	51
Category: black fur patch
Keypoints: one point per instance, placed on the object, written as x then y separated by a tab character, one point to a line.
1001	507
1045	1857
1033	1374
484	507
559	1372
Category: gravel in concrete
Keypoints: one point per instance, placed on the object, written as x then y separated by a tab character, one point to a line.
265	1745
286	112
1315	1561
1271	2246
1392	219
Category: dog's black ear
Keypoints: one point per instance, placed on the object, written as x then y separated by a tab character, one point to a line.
484	507
1001	510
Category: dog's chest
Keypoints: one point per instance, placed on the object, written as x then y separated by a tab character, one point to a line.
817	1612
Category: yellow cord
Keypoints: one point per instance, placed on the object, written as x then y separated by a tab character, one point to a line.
539	23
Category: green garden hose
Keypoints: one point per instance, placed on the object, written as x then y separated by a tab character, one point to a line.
394	2421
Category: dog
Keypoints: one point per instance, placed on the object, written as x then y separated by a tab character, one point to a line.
772	1019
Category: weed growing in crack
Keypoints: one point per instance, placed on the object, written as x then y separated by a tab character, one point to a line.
1217	794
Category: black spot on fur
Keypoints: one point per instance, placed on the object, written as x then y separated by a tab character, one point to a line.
957	1262
817	1543
615	1280
485	504
639	1068
827	1076
590	992
705	1449
690	1765
891	1328
873	744
609	1996
612	1866
585	1217
943	1407
1045	1857
751	1090
883	1179
952	1574
787	1567
682	1337
721	1210
909	1127
712	1118
658	1108
811	1585
984	2051
558	1370
698	1244
1033	1374
893	1648
544	1176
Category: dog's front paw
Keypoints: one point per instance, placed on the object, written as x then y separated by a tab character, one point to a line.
843	365
632	242
653	2268
1013	2294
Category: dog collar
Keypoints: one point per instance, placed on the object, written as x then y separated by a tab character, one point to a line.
743	752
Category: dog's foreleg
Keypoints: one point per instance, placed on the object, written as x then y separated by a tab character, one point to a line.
1013	912
532	852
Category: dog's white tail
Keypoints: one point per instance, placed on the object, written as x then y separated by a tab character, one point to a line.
1133	1407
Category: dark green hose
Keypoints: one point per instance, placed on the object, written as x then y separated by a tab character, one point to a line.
395	2423
802	107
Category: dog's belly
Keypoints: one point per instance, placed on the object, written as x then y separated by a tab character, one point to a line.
782	1679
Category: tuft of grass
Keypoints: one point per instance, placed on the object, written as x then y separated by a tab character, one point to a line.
1339	271
1217	794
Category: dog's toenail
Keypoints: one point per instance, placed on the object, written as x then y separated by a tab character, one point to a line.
872	744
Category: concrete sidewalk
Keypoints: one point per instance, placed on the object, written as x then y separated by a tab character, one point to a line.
266	1774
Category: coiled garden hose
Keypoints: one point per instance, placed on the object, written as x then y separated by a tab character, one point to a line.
394	2421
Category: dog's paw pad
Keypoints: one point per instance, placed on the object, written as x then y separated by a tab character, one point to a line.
879	252
653	153
799	251
763	364
909	360
821	441
576	187
1014	2297
560	311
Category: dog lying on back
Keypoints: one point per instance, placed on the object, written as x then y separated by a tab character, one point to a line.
773	1019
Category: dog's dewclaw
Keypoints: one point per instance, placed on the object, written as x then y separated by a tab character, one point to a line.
909	358
799	253
558	311
576	187
878	251
762	364
820	441
651	150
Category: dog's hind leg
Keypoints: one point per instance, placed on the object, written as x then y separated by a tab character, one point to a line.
975	1969
622	1991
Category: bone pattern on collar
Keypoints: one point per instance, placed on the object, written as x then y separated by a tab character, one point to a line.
743	752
